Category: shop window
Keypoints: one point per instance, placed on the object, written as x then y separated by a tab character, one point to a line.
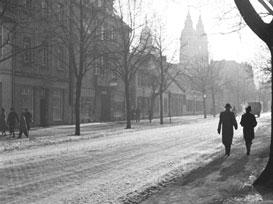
57	103
27	98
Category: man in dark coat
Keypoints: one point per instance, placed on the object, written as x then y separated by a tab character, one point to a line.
28	118
23	126
227	121
137	111
248	121
12	121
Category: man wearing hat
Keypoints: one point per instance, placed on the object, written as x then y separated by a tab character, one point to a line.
248	121
227	121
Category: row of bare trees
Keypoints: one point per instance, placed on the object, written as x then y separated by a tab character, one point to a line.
77	26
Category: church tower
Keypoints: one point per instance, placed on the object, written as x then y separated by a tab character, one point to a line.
202	40
187	40
193	42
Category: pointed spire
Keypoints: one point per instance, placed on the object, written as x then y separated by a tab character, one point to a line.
200	26
188	22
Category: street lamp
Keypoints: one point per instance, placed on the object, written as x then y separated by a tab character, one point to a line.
204	105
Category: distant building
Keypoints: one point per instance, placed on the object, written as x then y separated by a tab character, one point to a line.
236	86
33	77
38	76
193	55
193	42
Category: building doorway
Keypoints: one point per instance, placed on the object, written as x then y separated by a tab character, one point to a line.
43	113
44	108
105	106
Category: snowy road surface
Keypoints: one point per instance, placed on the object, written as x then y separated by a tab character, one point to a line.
107	169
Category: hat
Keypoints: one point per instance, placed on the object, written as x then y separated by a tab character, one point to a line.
227	105
248	108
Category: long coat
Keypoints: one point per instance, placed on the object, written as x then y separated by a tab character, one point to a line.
248	121
23	124
227	121
3	122
12	119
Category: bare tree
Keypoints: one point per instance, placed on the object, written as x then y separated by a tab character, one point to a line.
216	82
265	32
76	27
198	71
10	23
131	50
163	73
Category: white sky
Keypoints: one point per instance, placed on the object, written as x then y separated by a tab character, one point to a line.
239	46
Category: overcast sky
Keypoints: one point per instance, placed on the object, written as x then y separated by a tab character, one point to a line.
219	18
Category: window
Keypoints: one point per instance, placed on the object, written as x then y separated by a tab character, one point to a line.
1	41
27	98
113	69
102	66
44	4
60	58
60	11
43	56
102	33
27	49
57	101
97	65
100	2
28	3
112	35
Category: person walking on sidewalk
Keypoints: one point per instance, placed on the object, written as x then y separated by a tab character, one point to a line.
227	121
248	121
137	111
12	121
28	118
23	126
3	122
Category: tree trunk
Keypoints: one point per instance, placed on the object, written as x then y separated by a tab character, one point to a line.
152	104
265	180
128	105
77	106
265	32
213	102
169	107
161	105
204	107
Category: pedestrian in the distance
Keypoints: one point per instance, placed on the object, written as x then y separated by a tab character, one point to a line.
12	121
28	117
150	115
133	114
3	122
227	121
248	121
23	126
137	111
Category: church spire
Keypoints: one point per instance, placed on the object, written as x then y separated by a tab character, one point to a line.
188	22
200	27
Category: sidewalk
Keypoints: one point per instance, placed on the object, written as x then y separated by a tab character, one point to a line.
226	180
59	134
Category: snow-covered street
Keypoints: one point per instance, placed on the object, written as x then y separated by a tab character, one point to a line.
109	169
